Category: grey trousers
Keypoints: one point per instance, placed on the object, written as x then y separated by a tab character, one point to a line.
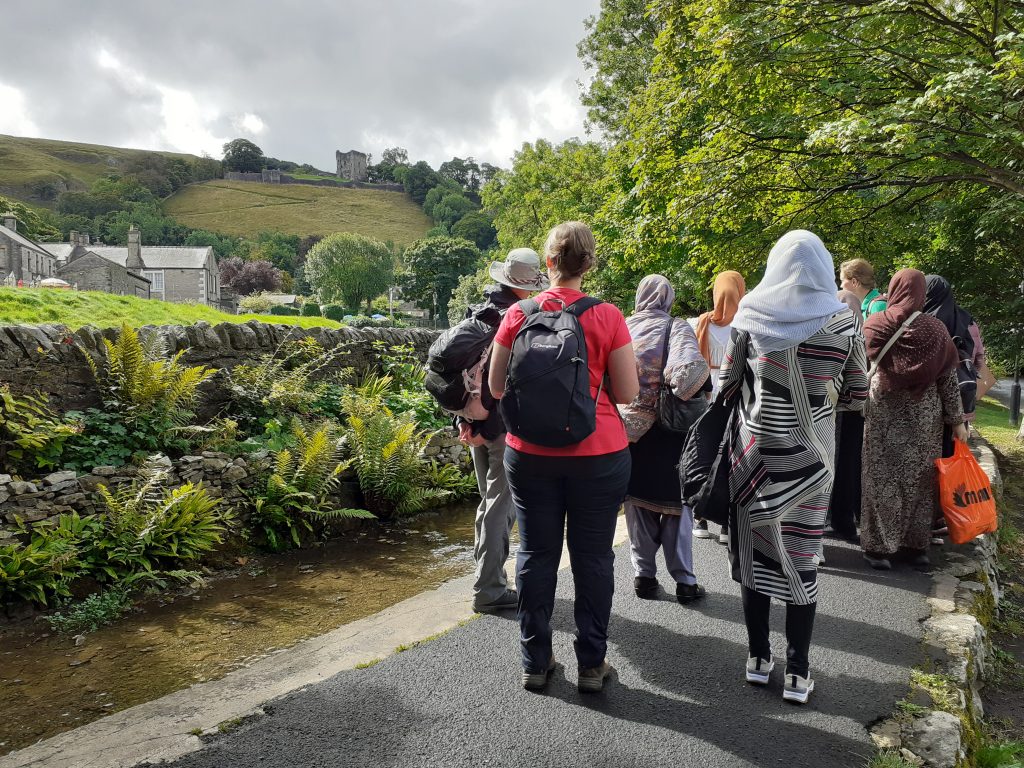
650	530
494	519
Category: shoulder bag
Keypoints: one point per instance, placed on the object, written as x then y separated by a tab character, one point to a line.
673	414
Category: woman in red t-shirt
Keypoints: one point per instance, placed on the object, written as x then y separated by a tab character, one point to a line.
580	486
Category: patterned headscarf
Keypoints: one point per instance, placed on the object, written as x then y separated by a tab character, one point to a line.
729	289
654	297
796	297
925	351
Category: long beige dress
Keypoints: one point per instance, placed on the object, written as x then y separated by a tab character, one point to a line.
902	440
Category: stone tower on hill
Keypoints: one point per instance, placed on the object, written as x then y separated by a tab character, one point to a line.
351	165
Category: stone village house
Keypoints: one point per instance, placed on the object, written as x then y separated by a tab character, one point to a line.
170	273
21	258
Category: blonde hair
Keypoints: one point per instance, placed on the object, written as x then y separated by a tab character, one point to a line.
571	248
859	270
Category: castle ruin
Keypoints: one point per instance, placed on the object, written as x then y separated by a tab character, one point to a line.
351	165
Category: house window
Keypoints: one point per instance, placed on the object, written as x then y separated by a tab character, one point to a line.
156	288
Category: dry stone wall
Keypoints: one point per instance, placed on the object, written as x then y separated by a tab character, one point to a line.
51	358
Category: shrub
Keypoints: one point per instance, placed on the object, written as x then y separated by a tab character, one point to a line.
311	309
295	494
407	393
31	435
257	303
282	310
386	450
362	321
333	312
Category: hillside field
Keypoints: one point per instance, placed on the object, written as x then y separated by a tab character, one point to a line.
27	163
243	209
74	309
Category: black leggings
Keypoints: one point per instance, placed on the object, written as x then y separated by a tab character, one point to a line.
799	626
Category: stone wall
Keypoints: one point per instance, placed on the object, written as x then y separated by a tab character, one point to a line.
226	477
280	177
50	358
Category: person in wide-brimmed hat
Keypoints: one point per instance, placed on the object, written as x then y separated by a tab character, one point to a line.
520	270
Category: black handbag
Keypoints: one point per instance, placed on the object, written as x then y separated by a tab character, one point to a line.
673	414
704	464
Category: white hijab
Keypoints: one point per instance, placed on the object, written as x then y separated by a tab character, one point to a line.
796	297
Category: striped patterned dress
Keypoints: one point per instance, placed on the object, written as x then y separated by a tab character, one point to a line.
783	452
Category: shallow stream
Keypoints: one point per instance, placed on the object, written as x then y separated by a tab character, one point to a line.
48	684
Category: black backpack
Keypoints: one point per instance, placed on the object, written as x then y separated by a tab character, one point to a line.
456	350
547	398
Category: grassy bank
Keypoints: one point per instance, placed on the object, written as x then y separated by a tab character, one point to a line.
244	208
77	308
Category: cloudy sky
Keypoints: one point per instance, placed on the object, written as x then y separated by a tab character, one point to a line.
301	78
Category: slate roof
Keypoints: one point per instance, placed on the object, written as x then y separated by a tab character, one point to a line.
22	240
153	256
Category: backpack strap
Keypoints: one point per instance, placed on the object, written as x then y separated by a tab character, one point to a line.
581	305
528	307
888	345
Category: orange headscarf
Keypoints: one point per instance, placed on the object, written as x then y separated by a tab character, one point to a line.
729	289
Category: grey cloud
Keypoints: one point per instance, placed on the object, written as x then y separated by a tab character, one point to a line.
321	75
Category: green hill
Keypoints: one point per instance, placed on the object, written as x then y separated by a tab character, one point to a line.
35	170
243	208
74	309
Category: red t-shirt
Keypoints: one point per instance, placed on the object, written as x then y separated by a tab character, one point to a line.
605	330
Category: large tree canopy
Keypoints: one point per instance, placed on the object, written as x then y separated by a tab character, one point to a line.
243	155
433	267
351	267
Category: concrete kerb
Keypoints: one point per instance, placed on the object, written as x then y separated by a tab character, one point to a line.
939	726
175	725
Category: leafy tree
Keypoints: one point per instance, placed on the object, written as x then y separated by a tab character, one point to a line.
434	196
464	172
452	207
477	227
349	267
418	180
391	159
223	245
31	224
242	155
247	277
619	50
488	172
205	168
433	267
547	185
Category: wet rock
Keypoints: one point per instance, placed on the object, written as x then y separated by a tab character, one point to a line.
935	738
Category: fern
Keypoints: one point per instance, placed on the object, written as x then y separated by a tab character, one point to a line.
297	491
387	452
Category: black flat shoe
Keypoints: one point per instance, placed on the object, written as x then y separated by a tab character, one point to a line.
878	563
687	593
646	588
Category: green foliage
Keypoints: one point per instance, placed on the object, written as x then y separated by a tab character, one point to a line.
296	491
478	227
418	180
386	449
432	270
281	384
333	312
1006	754
548	184
406	393
32	436
391	159
242	155
143	385
39	570
363	321
283	310
451	208
311	309
349	267
889	758
469	291
104	439
94	611
31	224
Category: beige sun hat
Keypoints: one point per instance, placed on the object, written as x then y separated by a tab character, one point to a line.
521	269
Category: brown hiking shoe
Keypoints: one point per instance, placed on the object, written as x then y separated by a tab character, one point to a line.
592	680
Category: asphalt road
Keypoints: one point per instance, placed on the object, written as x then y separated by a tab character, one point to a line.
679	698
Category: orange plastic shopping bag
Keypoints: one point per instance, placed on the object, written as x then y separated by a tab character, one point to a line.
965	495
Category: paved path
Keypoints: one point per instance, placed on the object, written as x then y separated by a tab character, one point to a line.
679	699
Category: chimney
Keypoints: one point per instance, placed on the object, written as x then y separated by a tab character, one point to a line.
73	237
85	238
134	249
11	221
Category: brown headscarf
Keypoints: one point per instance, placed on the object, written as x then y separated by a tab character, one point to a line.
925	351
729	289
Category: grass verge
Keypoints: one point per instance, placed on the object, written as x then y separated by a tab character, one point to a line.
74	309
